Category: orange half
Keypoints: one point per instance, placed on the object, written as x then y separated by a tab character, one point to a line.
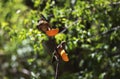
52	32
64	55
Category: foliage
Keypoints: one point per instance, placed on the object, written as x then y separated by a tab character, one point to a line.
91	33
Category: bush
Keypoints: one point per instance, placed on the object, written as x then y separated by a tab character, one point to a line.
89	27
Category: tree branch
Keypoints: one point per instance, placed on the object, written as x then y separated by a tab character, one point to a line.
56	72
115	3
111	30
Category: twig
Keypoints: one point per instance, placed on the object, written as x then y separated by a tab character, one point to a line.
56	72
115	3
111	30
114	54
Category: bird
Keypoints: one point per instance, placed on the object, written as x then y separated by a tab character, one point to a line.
60	53
44	26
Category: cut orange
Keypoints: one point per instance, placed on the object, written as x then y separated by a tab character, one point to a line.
64	55
52	32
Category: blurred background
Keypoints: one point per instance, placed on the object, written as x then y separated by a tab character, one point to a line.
92	35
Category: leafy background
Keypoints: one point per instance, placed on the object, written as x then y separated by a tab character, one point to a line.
92	35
